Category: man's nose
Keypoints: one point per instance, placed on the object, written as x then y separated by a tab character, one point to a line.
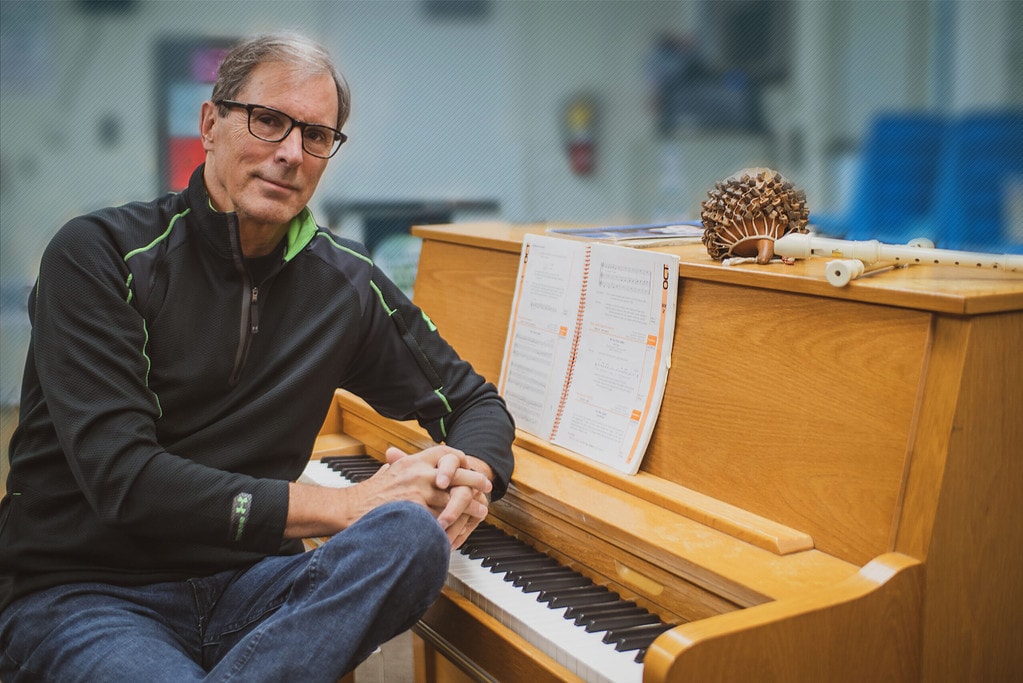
291	146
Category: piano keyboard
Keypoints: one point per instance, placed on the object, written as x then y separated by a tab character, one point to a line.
585	627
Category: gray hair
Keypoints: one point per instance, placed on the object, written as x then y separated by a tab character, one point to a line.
289	48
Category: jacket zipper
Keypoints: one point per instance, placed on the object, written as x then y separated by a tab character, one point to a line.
249	314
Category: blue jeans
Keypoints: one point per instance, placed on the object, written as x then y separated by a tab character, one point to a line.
308	617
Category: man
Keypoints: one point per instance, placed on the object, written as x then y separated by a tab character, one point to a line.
184	354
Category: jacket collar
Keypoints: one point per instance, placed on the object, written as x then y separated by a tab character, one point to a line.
217	227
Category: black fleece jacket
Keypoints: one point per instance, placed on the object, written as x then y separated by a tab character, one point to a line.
168	398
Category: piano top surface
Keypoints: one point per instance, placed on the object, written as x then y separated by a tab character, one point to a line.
939	289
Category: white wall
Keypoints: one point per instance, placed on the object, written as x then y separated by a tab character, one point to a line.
985	33
461	109
429	120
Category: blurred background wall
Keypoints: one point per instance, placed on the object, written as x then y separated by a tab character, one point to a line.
594	111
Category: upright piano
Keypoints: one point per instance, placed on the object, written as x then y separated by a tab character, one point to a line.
833	490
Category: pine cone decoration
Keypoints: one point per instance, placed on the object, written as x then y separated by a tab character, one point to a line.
745	213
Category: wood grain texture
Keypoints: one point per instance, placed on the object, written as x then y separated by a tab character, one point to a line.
856	630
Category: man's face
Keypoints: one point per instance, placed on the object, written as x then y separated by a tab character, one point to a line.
266	183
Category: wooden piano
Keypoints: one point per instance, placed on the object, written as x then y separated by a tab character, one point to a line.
832	491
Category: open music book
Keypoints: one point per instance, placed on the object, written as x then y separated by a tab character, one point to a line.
589	346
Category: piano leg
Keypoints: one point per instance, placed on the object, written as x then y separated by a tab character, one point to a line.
430	666
493	647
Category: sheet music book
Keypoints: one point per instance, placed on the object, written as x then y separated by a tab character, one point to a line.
641	236
589	346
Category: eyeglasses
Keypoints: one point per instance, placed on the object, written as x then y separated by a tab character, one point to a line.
272	125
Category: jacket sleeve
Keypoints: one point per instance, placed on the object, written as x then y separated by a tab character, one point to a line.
406	370
89	346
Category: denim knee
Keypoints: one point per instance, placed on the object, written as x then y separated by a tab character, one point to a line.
400	539
412	529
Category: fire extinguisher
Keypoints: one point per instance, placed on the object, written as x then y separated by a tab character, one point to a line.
580	119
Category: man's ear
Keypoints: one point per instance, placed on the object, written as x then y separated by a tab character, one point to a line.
208	115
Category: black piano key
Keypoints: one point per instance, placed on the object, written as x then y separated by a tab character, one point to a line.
582	598
490	559
354	467
350	459
489	552
637	637
487	530
477	551
367	463
554	579
584	611
594	616
527	567
489	534
506	542
526	576
587	588
508	565
550	592
579	612
491	537
357	470
613	635
481	535
611	622
488	541
345	459
548	582
354	461
357	476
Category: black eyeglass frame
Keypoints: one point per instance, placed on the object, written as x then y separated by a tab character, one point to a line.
339	137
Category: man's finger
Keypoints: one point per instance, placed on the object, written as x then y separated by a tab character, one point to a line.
393	453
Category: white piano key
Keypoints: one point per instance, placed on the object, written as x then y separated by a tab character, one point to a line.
584	654
320	474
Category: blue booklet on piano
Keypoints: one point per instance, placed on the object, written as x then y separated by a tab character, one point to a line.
649	235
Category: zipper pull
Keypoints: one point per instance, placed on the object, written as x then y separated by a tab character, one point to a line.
254	311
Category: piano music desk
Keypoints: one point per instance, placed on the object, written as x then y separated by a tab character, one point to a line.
831	492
